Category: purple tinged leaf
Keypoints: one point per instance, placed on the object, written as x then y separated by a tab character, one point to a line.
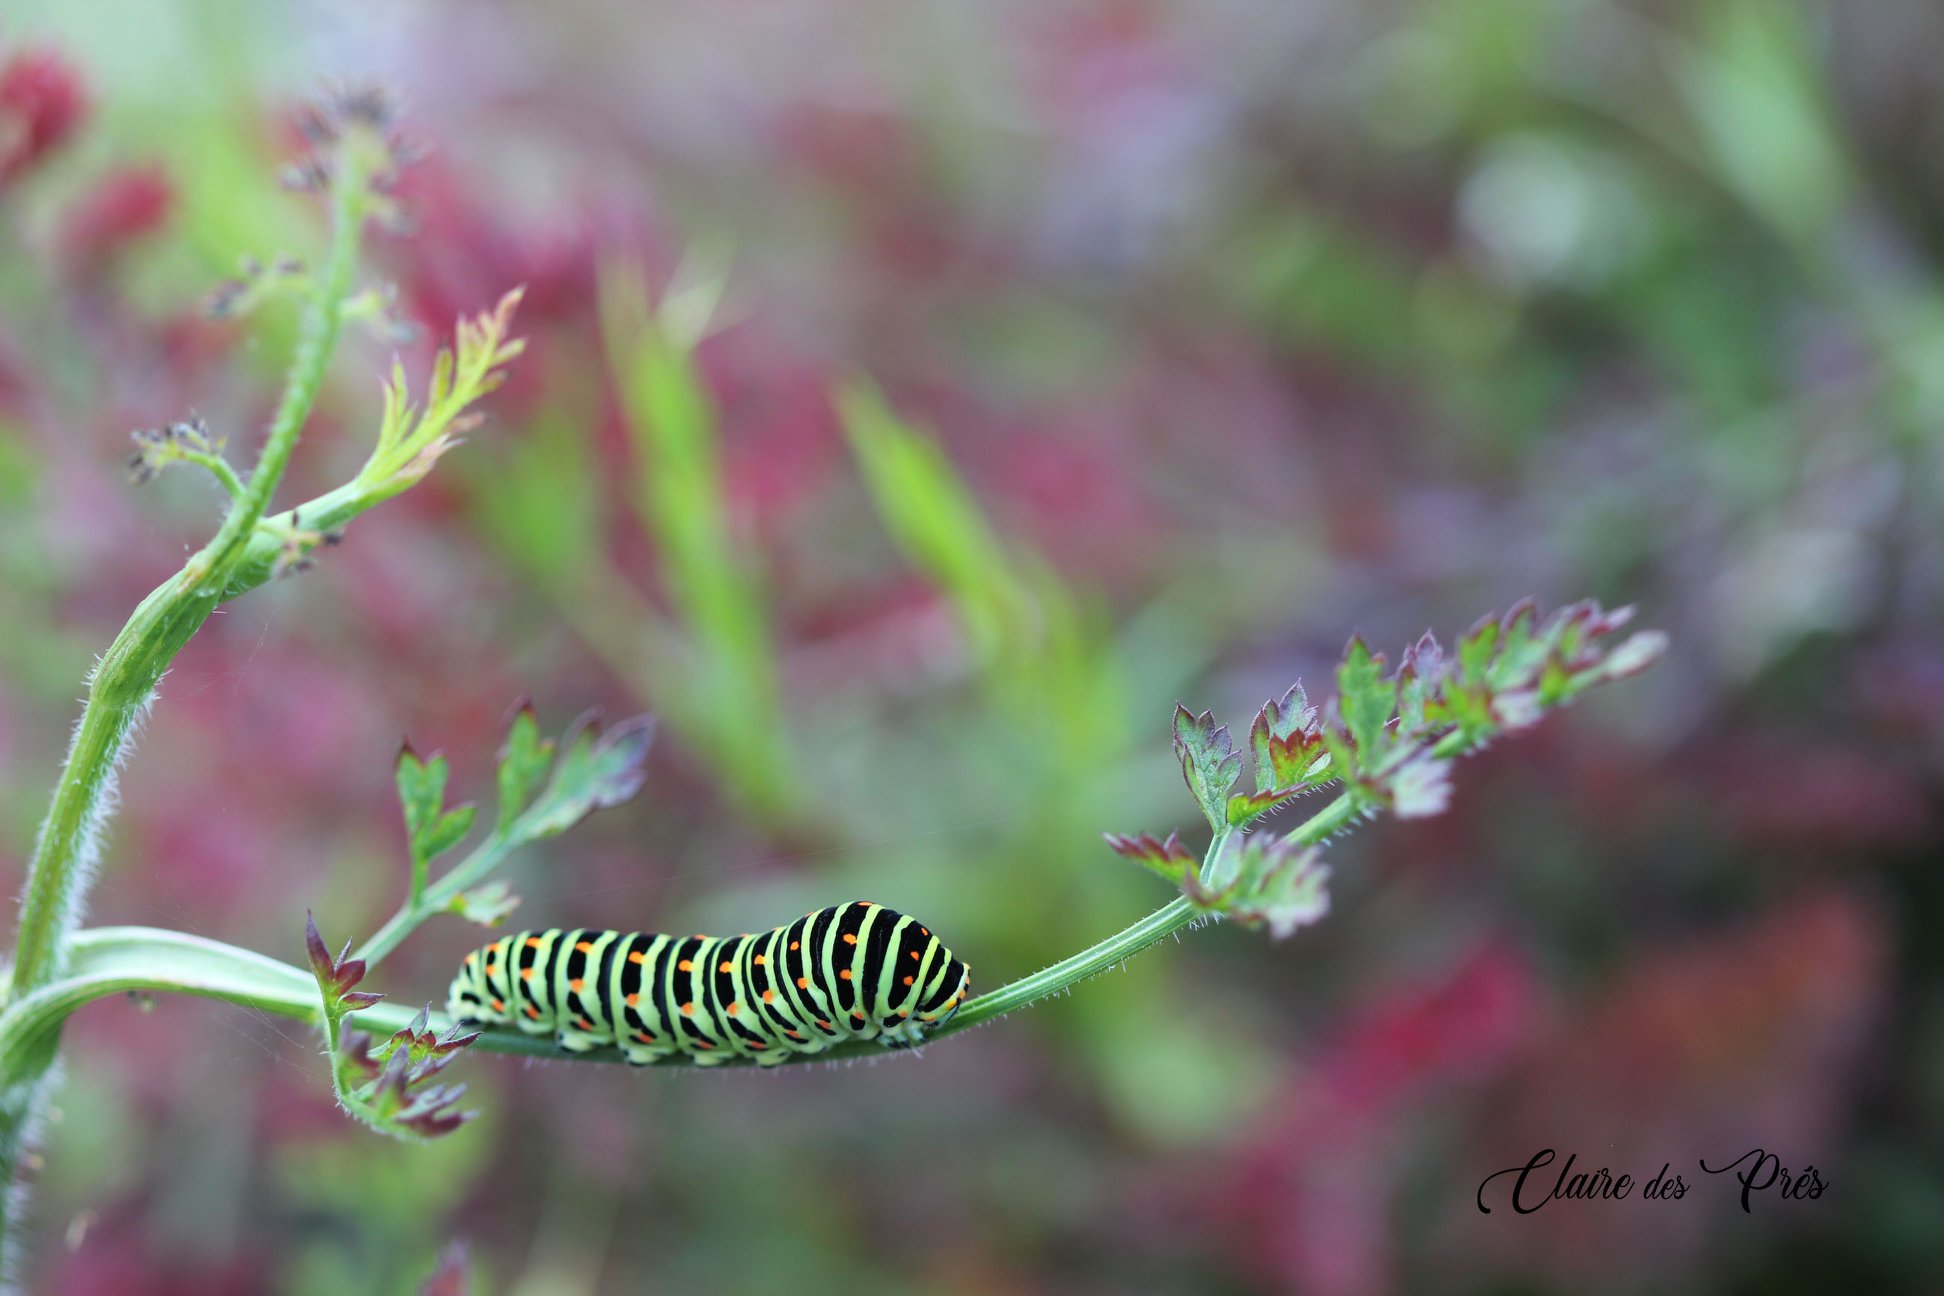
356	999
323	966
1517	708
1243	809
1284	741
595	771
1209	762
1420	787
1275	882
1635	655
1169	858
349	972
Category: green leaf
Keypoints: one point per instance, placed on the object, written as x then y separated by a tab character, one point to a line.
447	831
595	770
421	791
523	762
1365	700
1285	741
487	905
1209	761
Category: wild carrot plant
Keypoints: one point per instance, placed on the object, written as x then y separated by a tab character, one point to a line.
1384	740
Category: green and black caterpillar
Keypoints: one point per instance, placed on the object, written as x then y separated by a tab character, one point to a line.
852	971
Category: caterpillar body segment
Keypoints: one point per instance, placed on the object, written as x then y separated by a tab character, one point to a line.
852	971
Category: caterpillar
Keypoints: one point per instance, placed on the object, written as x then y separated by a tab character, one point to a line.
852	971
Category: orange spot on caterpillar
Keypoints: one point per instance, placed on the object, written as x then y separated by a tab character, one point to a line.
857	1016
914	956
686	965
793	1035
821	1022
633	999
644	1037
576	985
757	1047
761	959
533	942
924	931
636	956
587	1023
734	1008
769	996
844	974
795	944
585	947
533	1013
849	938
725	966
499	1005
907	980
703	1044
803	983
527	974
688	1009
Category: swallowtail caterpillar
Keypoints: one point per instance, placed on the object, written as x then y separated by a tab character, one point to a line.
852	971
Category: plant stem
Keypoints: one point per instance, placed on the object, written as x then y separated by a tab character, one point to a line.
432	898
119	692
124	681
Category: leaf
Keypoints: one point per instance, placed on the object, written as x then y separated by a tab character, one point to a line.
1209	761
1275	883
1244	809
1169	858
595	770
1420	787
523	762
1365	700
1635	655
421	791
486	905
447	831
1285	742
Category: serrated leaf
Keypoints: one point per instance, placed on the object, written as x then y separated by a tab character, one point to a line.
1420	787
1365	699
595	770
1283	739
1243	809
1275	882
1169	858
1209	761
1475	650
523	762
487	905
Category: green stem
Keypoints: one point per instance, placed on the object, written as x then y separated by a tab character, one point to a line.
125	680
428	899
116	960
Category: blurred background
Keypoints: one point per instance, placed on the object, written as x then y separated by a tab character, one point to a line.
1213	333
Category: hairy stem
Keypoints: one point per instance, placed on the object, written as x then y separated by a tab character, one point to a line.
123	683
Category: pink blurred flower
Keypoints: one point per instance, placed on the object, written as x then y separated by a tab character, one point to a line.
41	103
123	206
